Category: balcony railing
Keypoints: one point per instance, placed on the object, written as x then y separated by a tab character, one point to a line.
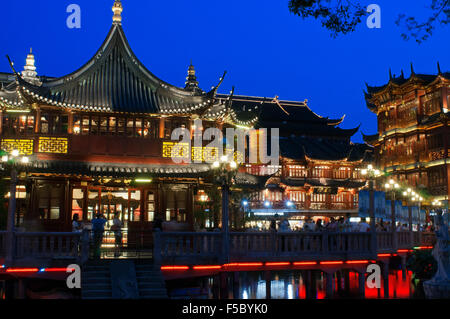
206	247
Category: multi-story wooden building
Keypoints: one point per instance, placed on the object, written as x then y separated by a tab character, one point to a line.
99	140
319	169
413	139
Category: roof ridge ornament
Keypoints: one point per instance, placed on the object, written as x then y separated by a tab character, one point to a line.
117	9
277	101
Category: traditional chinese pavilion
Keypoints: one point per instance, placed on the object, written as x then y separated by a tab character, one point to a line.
99	140
413	136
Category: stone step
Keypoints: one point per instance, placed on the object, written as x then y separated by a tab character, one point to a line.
99	268
96	285
151	285
153	293
97	294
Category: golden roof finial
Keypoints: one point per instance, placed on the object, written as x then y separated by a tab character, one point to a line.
117	9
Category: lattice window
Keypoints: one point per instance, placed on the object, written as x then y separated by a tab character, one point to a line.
53	145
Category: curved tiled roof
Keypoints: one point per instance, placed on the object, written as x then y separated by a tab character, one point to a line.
115	80
299	148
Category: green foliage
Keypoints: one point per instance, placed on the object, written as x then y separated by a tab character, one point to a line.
422	264
342	16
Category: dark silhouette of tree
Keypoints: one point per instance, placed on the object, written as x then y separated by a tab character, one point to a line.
342	16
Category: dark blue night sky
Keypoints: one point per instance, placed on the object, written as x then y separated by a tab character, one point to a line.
266	50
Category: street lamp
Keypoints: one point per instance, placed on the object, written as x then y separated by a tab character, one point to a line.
371	175
12	162
225	175
393	187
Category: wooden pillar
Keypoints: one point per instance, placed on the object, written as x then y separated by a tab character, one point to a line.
67	209
216	287
313	284
37	121
404	268
346	280
190	207
161	127
21	289
362	284
161	202
339	280
223	285
386	279
268	278
329	284
1	122
236	285
70	123
85	203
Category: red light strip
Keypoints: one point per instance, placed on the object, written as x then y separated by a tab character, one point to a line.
22	270
207	267
174	267
59	269
353	262
425	247
278	264
331	262
243	265
384	255
403	251
304	263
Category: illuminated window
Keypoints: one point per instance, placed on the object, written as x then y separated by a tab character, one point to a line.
138	126
85	126
76	125
50	200
120	126
150	207
103	125
77	202
130	127
95	123
112	125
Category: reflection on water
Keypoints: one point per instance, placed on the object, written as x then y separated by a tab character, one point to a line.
288	285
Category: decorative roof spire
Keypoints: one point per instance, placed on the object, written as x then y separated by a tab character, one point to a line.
117	9
191	80
390	74
29	71
439	68
412	69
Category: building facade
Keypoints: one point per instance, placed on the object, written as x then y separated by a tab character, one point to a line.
413	136
99	140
